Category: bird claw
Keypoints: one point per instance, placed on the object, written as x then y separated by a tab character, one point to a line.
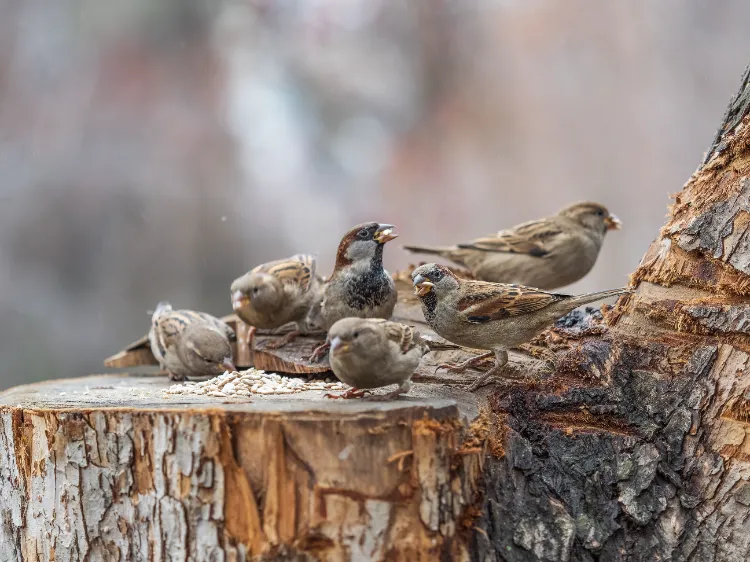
461	367
319	352
479	383
485	379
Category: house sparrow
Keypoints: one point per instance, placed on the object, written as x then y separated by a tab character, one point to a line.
372	352
359	287
546	253
490	316
188	343
279	292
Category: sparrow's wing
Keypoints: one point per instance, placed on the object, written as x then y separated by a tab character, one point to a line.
168	329
298	270
218	323
531	238
405	336
483	302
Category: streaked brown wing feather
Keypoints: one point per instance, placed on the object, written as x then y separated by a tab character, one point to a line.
168	329
297	270
170	326
405	336
218	323
493	301
527	238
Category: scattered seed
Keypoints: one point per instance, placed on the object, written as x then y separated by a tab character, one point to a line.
252	381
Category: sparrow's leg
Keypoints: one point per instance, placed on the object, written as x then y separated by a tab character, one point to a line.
501	358
461	367
286	340
403	388
351	393
319	352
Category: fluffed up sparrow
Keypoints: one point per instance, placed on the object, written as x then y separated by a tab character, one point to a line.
359	286
371	353
490	316
188	343
276	293
547	253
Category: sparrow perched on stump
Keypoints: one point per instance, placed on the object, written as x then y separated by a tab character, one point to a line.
188	343
371	353
276	293
359	286
491	316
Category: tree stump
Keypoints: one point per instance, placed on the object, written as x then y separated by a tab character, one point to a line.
108	467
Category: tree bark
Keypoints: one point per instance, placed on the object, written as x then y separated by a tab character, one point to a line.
612	440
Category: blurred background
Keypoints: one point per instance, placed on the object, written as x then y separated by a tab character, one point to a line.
157	149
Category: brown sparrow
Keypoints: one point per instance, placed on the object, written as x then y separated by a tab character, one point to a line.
279	292
188	343
370	353
359	287
490	316
546	253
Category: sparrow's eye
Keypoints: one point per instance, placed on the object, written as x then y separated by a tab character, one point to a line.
437	275
363	233
600	213
255	290
355	335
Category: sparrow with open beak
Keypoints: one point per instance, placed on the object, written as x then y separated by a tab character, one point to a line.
547	253
491	316
276	293
359	286
188	343
371	353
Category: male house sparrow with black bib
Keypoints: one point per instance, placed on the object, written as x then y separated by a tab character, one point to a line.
188	343
546	253
359	286
371	352
490	316
276	293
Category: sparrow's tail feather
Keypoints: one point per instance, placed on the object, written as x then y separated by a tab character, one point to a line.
599	295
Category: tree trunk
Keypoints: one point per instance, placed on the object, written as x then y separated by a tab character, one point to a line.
641	452
623	440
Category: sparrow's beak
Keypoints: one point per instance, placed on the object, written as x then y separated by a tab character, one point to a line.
239	300
228	364
339	346
612	222
384	233
422	285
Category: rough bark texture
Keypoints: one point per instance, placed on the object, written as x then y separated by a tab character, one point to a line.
617	441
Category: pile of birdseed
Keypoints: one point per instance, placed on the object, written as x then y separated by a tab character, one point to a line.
252	381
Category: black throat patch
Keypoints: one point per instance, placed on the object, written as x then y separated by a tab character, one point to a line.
372	288
429	304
